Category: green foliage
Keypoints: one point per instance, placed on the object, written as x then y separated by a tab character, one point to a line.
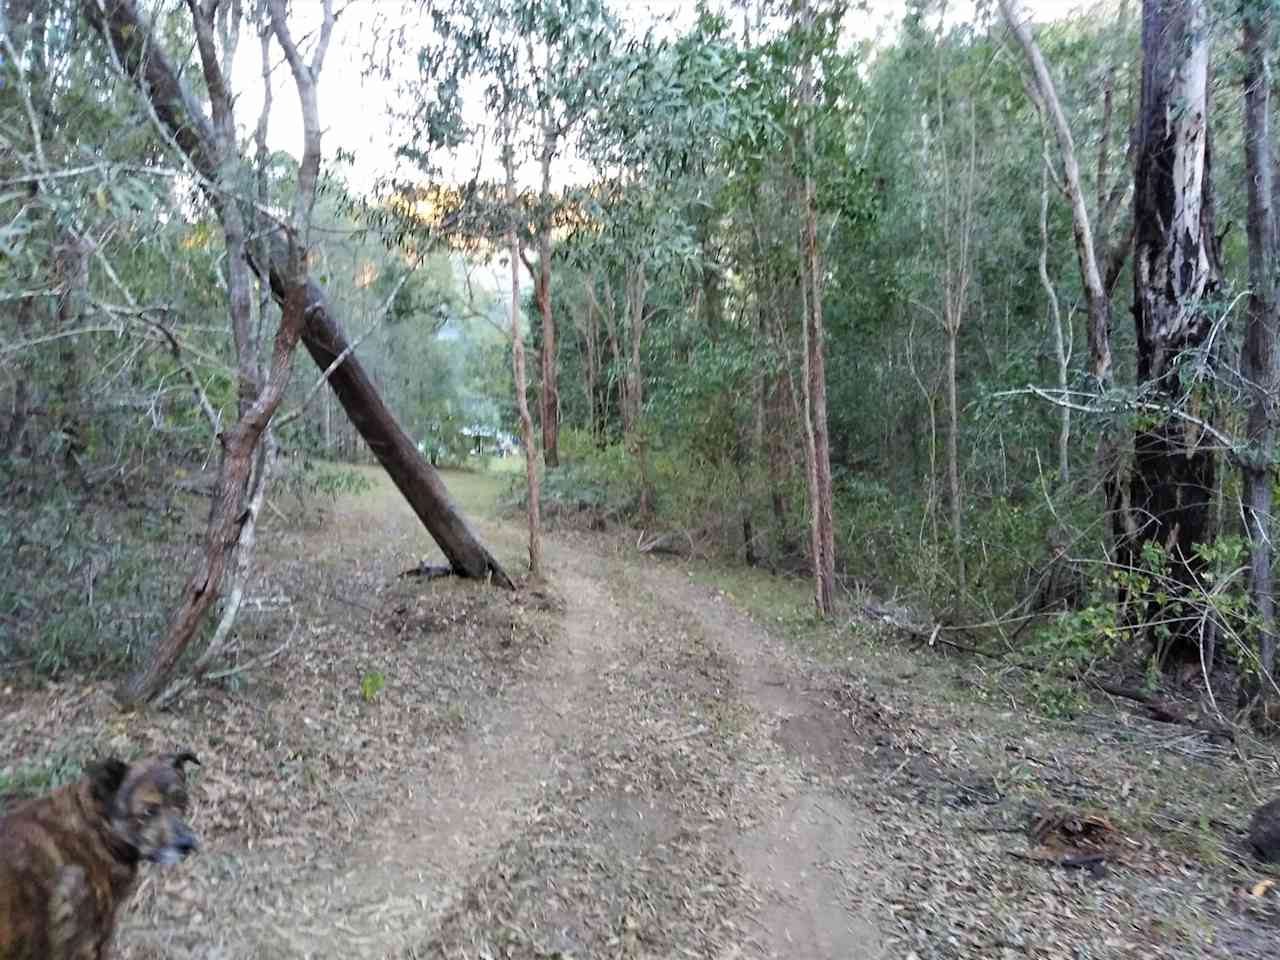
310	480
20	781
372	684
79	588
595	485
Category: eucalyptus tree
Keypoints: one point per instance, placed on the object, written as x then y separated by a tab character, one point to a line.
511	115
1098	261
547	60
78	179
954	159
243	467
1260	358
280	259
1177	274
656	142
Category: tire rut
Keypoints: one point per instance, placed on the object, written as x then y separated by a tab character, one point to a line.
807	856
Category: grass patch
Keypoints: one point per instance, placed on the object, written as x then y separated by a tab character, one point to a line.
17	783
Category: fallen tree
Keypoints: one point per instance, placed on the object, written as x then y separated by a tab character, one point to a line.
204	143
144	61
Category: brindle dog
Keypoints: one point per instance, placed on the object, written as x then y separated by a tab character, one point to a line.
69	860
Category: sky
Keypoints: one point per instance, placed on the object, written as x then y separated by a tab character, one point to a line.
353	105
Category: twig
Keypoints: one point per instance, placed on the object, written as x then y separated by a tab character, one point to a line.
1095	863
687	735
1230	446
354	603
252	664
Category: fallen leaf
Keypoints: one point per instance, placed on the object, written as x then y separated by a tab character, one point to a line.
1260	889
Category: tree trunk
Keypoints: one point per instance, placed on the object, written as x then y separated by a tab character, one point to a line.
517	359
955	499
636	296
815	376
131	37
71	269
1061	341
1175	273
12	441
226	517
1260	361
416	480
24	28
590	331
550	378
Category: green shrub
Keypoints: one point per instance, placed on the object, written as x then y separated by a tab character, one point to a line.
84	585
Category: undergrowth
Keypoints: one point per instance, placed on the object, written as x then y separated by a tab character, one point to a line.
84	577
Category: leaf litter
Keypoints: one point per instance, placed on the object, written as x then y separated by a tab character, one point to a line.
667	764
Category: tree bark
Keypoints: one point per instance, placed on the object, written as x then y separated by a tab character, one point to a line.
955	499
229	519
12	441
226	517
589	330
1260	360
1061	341
517	360
550	376
1176	273
636	296
120	23
817	442
394	450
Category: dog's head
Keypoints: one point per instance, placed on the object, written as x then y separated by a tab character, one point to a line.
145	803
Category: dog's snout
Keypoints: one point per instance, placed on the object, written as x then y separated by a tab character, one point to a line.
186	842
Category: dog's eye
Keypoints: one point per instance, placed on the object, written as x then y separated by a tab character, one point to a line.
151	810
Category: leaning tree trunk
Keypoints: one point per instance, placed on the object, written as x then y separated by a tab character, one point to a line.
1260	361
120	23
417	482
1097	297
1176	274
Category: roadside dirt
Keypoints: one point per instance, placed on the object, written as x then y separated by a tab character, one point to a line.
628	763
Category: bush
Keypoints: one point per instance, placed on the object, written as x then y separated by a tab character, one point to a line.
83	583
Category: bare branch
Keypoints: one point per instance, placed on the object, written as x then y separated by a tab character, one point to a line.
1096	291
1060	398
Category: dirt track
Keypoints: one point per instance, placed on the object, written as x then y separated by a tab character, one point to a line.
648	672
628	765
624	780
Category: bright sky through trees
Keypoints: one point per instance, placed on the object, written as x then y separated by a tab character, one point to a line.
354	102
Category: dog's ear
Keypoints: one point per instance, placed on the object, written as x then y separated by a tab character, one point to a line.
105	778
178	760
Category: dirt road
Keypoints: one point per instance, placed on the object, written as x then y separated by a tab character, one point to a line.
626	764
636	794
620	765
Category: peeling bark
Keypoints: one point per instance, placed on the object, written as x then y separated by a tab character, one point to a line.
1176	274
